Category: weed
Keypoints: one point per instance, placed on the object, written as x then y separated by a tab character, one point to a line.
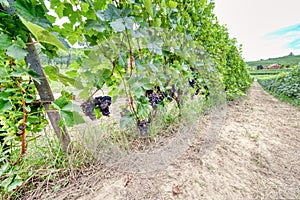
253	137
43	163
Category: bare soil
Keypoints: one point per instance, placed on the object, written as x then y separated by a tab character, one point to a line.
255	156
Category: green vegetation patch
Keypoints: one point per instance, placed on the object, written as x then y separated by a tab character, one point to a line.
285	86
287	61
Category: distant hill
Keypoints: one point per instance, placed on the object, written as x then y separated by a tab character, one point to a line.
285	60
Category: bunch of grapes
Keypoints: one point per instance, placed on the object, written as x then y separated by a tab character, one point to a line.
103	104
143	127
193	84
155	97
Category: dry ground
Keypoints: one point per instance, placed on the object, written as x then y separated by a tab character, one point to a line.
255	156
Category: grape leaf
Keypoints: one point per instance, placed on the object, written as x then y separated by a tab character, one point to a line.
172	4
31	11
16	52
5	42
71	118
99	4
148	6
112	12
118	25
42	35
129	22
94	25
4	105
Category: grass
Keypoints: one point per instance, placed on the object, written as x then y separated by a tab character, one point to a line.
264	76
43	164
45	167
268	71
289	60
165	124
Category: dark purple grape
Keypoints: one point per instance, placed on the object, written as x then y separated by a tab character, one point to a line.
143	127
21	127
155	97
103	103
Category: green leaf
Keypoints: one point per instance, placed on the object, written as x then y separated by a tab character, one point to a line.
13	185
54	74
42	35
16	52
99	4
74	66
94	25
148	6
129	22
112	12
60	10
172	4
84	6
33	12
5	42
20	43
98	113
71	118
155	47
118	25
157	22
33	119
68	9
4	168
78	119
72	73
71	107
5	183
60	102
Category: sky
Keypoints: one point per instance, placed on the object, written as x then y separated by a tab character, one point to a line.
265	28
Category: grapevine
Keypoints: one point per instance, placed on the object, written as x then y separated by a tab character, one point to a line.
21	111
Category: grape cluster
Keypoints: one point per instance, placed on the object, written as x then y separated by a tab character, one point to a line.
193	84
88	109
143	127
154	97
103	104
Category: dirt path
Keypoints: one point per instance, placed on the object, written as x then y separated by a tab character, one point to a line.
257	156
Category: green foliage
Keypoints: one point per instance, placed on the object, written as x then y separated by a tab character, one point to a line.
125	49
131	46
68	111
268	72
286	61
44	162
127	54
42	35
286	85
16	88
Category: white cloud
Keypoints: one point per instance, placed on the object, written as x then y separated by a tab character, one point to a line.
250	20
